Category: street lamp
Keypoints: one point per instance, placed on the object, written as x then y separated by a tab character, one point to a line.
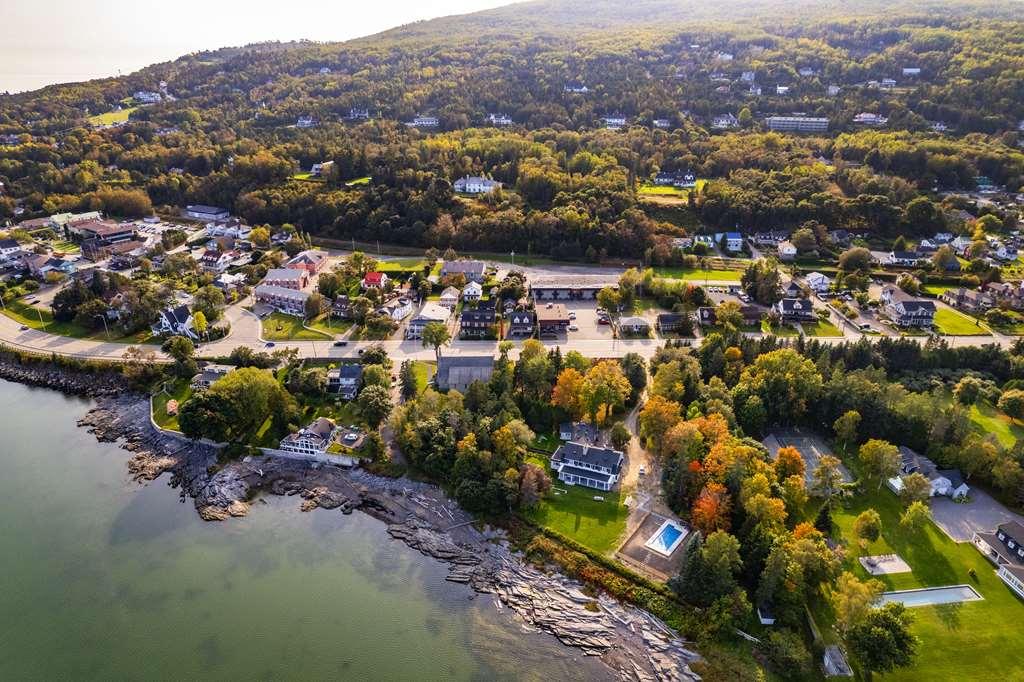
106	330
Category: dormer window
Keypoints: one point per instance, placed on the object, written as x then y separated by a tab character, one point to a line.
1001	535
1012	544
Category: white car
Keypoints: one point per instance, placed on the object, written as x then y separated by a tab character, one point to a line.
573	328
572	316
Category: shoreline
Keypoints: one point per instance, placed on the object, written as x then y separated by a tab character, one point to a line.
631	643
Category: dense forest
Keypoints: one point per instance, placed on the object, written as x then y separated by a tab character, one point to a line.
224	132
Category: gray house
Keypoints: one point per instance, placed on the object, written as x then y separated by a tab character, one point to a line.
457	372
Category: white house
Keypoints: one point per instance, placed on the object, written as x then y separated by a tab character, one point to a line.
398	309
209	214
471	184
868	119
283	299
314	439
305	122
175	321
472	292
1005	548
946	482
787	251
732	241
424	122
911	71
450	298
614	121
818	282
431	312
499	119
9	249
582	464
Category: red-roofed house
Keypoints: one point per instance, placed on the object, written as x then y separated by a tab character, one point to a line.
375	279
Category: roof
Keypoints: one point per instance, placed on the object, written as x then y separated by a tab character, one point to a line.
796	305
8	244
954	477
373	277
1014	529
556	313
906	255
347	371
481	314
203	208
280	292
594	456
464	266
634	322
473	287
463	369
574	282
434	312
450	292
668	318
312	257
587	473
177	315
284	273
520	317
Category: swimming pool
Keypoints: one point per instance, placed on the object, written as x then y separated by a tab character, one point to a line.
666	538
930	596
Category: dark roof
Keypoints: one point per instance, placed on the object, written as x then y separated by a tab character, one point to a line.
914	305
483	314
350	371
956	479
203	208
671	318
520	317
906	255
587	473
595	456
177	315
464	266
796	305
8	244
1014	529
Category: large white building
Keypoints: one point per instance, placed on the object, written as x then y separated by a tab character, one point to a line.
587	465
797	124
282	299
475	185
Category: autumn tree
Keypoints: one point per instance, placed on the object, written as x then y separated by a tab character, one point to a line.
605	388
789	463
711	509
916	517
867	527
853	599
656	418
916	488
568	392
827	478
846	428
879	459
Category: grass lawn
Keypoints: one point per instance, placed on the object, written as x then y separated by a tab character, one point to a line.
968	641
66	247
331	328
401	265
936	289
358	181
423	371
281	327
661	190
547	442
29	316
112	117
307	177
822	328
989	419
955	323
180	390
698	275
598	524
778	330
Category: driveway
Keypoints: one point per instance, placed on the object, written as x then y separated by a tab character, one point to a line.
960	521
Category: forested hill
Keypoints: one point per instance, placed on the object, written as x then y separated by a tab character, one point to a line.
942	85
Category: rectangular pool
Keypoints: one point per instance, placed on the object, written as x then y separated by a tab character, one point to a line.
666	538
930	596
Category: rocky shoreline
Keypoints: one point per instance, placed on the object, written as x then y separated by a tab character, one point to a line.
633	644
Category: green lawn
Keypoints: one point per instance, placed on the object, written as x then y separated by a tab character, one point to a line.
29	316
423	371
777	330
955	323
573	512
548	442
822	328
662	191
989	419
112	117
699	275
66	247
281	327
358	181
969	641
402	265
936	289
307	177
180	390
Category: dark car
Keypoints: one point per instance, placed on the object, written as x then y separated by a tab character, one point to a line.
339	344
24	327
270	344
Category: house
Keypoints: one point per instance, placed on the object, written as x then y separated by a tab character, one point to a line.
752	314
107	230
1005	549
906	310
9	249
450	297
787	251
888	83
662	123
358	114
969	300
421	121
868	119
345	380
904	259
795	310
478	322
318	170
793	290
147	97
590	466
911	71
946	482
797	124
521	324
839	237
205	213
772	238
232	228
305	122
312	261
98	249
832	90
431	312
578	88
41	265
806	71
748	76
457	372
472	184
579	432
397	310
341	308
210	374
614	121
960	245
374	279
287	278
213	260
669	323
472	292
472	270
635	325
282	299
552	319
724	122
781	89
817	282
733	242
175	321
229	282
499	119
314	439
570	287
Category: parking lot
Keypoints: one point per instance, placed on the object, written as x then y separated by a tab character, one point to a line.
586	321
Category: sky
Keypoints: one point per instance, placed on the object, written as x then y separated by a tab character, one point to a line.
57	41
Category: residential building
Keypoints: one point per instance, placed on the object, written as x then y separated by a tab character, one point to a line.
781	89
287	278
724	122
345	380
457	372
748	76
9	249
904	259
39	265
374	279
312	261
797	310
424	122
797	124
868	119
832	90
450	297
232	228
209	374
1005	548
552	319
521	324
947	482
229	282
318	170
472	184
793	290
614	121
305	122
147	97
478	322
341	308
570	287
282	299
208	214
313	439
787	251
586	465
806	71
473	292
175	321
499	119
772	238
662	123
906	310
752	315
818	282
431	312
969	300
98	249
579	432
635	325
669	323
473	270
358	114
213	260
887	83
911	71
578	88
733	242
397	310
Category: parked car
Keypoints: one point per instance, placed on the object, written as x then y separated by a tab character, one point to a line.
270	344
603	320
339	344
573	328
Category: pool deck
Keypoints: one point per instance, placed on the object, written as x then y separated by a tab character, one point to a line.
635	553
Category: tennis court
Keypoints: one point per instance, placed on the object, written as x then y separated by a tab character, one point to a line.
810	446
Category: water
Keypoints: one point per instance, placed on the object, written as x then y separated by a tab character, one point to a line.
929	596
107	580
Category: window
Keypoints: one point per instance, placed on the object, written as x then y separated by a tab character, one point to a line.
1012	544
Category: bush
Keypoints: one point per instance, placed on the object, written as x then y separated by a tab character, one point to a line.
786	653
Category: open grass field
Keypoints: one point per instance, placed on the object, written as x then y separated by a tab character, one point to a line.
402	265
573	512
777	330
968	641
358	182
180	390
423	371
662	191
936	289
699	275
42	319
66	247
307	177
822	328
955	323
281	327
112	117
989	419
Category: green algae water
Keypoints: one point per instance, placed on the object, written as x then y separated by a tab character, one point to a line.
105	579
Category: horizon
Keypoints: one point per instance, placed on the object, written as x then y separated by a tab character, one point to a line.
41	41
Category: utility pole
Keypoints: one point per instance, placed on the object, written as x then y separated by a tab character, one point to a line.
106	330
513	259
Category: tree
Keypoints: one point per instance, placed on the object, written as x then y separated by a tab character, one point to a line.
656	418
915	517
183	352
786	381
846	428
789	463
787	654
242	400
721	555
609	299
315	305
916	488
376	355
374	403
1012	403
855	259
620	435
199	322
728	315
867	526
568	392
827	478
260	236
635	369
209	300
711	509
375	375
853	599
407	380
880	460
436	334
882	641
534	483
605	388
329	285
